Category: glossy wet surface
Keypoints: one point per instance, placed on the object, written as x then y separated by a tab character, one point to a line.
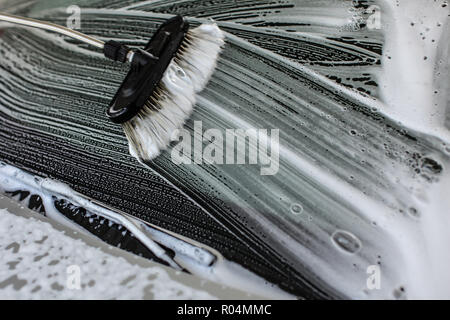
361	177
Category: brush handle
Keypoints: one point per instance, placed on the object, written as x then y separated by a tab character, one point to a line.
51	27
112	49
116	51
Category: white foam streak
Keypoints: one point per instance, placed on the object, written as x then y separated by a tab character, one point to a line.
414	32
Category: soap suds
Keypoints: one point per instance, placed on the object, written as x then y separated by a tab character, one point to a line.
193	257
36	262
364	147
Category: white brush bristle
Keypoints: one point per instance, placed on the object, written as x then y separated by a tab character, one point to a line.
152	129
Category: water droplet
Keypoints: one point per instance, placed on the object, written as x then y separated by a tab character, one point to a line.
296	209
431	166
399	293
346	241
413	212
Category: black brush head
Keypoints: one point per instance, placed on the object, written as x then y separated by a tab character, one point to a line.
147	70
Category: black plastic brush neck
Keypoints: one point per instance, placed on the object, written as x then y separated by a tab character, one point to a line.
116	51
119	52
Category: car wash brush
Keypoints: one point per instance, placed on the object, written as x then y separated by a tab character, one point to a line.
159	91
